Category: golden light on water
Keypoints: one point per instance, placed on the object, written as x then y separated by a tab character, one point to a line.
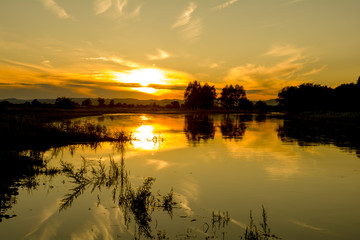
145	138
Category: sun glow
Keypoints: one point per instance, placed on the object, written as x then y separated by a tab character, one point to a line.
144	76
145	138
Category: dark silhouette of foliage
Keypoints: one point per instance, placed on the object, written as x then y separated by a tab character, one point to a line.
199	97
315	97
253	233
65	103
86	103
112	103
232	127
174	104
35	103
235	98
199	127
341	130
261	106
101	102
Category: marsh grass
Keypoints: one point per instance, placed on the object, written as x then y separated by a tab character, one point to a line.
22	132
252	232
136	203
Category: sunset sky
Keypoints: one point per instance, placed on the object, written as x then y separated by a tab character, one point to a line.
151	49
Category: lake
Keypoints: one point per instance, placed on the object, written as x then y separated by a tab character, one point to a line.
194	177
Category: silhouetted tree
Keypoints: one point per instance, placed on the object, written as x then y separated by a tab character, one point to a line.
207	96
66	103
197	96
235	98
307	96
347	97
112	103
35	103
86	103
261	106
174	104
314	97
101	102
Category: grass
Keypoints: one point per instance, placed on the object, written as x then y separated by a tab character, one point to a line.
137	202
27	132
252	232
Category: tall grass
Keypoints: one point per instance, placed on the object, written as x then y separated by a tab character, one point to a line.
137	202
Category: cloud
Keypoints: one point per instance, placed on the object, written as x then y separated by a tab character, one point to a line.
293	2
46	63
191	29
54	7
284	50
225	5
185	17
268	80
102	6
314	71
116	60
25	65
160	55
116	8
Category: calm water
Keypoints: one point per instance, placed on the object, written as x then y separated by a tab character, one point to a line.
217	165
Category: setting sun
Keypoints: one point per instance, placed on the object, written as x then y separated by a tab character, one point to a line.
144	76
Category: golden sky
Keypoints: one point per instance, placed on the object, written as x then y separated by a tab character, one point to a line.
151	49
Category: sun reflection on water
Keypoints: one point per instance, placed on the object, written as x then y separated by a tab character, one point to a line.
145	138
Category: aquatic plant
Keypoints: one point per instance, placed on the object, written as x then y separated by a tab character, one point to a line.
253	233
140	202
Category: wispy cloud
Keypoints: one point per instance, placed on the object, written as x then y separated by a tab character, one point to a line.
225	4
117	60
54	7
185	17
293	2
102	6
268	80
314	71
116	8
25	65
46	63
189	27
161	54
284	50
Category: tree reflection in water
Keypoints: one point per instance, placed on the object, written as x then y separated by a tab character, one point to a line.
199	127
233	127
305	133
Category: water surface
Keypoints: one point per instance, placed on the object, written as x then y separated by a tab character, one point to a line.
219	166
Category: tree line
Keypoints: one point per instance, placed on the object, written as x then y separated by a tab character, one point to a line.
204	96
315	97
68	103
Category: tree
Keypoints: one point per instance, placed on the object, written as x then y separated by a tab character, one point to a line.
101	102
174	104
261	106
199	97
192	95
306	97
112	103
35	103
86	103
234	97
66	103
